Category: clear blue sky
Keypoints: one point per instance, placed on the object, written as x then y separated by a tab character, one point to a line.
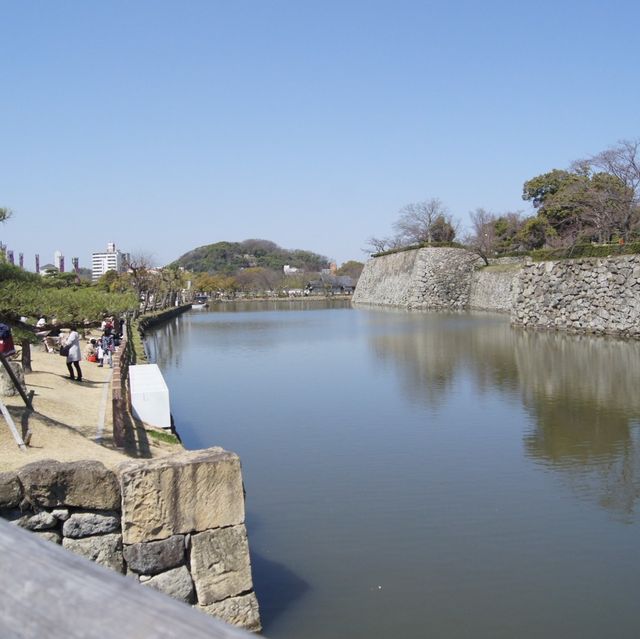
166	125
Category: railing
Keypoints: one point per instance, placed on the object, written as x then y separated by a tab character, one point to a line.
47	591
120	399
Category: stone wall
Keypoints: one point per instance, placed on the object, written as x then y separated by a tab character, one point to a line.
492	287
175	524
443	278
388	280
591	295
419	278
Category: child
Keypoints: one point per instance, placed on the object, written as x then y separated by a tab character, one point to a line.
106	348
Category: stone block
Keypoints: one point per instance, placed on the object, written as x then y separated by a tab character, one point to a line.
48	535
240	611
61	514
176	583
105	550
10	490
220	564
155	556
86	524
40	521
86	484
182	493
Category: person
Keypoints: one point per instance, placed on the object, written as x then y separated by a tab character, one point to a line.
42	331
91	351
53	336
74	355
107	346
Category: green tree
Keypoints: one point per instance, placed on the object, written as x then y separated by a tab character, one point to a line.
351	268
535	233
582	204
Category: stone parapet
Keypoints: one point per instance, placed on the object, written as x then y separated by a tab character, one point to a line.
187	492
174	523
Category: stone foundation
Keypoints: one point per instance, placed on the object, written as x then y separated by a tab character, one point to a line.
176	524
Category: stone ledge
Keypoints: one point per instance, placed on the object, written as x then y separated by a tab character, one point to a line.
87	484
191	491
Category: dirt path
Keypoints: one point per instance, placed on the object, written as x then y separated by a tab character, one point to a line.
71	420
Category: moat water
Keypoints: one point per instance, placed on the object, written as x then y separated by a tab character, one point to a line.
415	474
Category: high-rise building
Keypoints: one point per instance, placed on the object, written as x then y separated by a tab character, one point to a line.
111	260
58	261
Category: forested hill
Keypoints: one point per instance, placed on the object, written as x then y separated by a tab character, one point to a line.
230	257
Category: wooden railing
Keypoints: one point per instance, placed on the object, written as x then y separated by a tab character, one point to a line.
47	591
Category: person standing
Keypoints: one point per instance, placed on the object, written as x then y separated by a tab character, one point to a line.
74	355
107	345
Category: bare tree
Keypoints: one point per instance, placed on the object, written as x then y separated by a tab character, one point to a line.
142	279
483	237
416	222
623	161
612	203
382	244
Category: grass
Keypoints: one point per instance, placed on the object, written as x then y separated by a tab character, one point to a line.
163	436
502	268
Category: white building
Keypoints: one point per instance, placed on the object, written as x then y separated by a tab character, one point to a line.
112	260
290	270
58	261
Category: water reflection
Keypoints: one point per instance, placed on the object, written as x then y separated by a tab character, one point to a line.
581	392
164	343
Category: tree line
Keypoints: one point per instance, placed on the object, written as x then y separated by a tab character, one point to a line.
595	200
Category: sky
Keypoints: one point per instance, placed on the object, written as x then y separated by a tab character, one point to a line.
167	125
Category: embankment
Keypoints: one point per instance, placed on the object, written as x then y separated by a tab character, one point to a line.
587	295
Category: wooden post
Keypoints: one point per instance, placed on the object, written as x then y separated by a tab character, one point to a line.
12	427
16	382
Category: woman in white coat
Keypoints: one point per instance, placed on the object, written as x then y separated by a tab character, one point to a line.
74	356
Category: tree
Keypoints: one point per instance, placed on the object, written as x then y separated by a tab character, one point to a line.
381	244
482	239
257	279
535	233
5	214
554	195
620	192
622	161
507	229
351	268
422	222
142	278
582	204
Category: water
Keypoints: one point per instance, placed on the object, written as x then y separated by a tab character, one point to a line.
416	474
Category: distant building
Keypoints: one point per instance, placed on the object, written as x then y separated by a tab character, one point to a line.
49	269
331	285
58	261
112	260
290	270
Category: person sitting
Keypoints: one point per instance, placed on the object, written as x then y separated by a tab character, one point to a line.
52	338
91	351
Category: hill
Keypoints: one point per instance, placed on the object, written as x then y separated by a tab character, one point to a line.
229	257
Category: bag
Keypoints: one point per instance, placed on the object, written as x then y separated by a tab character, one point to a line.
6	340
92	358
64	350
